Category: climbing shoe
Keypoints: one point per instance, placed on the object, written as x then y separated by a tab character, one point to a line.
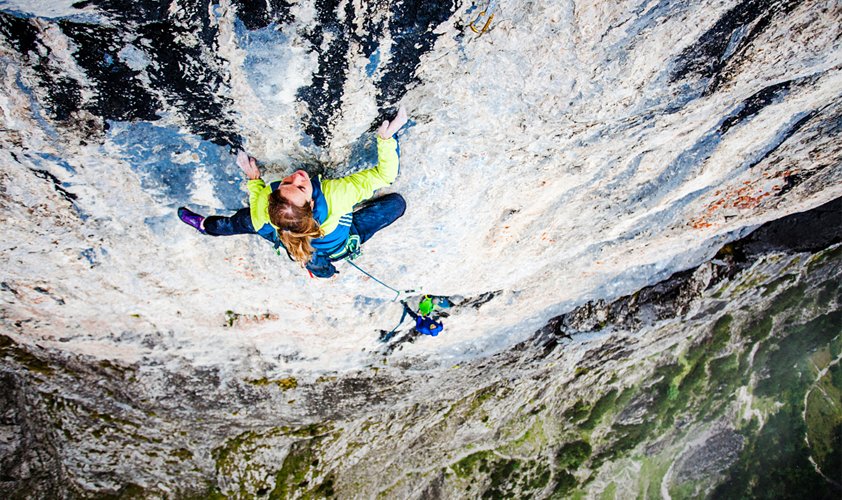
191	219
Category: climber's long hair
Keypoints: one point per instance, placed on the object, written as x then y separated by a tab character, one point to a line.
296	226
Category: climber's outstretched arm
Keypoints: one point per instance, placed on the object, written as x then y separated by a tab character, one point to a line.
346	192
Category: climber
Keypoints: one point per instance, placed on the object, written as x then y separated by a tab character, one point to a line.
314	219
426	323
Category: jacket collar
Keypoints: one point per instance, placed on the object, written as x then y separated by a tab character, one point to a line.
319	201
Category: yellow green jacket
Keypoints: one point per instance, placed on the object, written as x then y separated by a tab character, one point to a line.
333	199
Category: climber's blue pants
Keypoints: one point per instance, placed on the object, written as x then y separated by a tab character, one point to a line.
376	214
239	223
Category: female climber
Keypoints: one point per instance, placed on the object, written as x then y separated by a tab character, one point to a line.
314	218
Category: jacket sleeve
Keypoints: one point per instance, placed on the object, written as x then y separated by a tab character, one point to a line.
257	203
255	186
346	192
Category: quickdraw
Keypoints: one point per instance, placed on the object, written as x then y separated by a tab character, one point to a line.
486	15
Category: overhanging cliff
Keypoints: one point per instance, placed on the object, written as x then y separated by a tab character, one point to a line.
583	180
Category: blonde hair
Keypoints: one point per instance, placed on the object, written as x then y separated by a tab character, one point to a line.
296	226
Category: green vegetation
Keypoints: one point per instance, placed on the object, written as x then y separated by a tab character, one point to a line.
507	477
758	329
129	491
829	292
609	493
791	299
469	405
652	472
822	257
233	459
565	482
530	441
283	383
684	490
600	408
677	387
294	472
578	412
311	430
786	279
510	477
657	402
704	380
112	420
182	453
787	357
749	282
474	462
776	457
232	317
824	421
725	379
721	334
482	395
502	472
774	461
226	454
572	455
10	348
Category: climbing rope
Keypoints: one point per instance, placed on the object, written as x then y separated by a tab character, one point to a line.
406	312
424	323
397	292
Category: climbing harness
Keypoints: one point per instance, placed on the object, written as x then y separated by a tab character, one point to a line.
482	22
351	250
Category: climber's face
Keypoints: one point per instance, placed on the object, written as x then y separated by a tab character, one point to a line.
297	188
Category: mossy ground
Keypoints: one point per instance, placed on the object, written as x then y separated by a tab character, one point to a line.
283	383
9	348
503	477
299	473
700	386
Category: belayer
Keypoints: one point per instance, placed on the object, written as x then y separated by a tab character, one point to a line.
426	322
314	218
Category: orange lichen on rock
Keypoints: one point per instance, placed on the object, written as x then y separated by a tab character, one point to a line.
747	196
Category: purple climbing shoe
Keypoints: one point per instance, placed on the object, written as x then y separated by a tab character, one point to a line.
191	219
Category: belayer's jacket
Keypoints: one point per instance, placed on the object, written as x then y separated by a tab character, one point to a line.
333	206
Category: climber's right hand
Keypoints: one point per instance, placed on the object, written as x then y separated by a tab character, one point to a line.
248	165
388	129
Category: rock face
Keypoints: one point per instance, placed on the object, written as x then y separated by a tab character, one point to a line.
633	208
